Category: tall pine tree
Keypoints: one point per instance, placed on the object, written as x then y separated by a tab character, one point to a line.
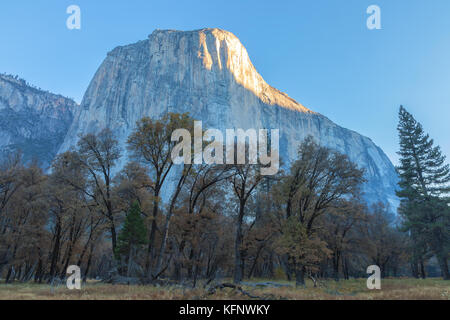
424	190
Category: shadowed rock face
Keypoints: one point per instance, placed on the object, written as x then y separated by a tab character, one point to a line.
32	121
208	73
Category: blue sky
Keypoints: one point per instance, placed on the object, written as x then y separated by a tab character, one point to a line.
319	52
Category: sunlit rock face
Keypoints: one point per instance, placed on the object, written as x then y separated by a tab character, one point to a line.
208	73
32	121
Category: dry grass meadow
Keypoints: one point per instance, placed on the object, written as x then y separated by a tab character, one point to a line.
392	289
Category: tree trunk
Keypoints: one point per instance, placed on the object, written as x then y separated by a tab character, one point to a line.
38	274
151	238
285	265
66	265
85	248
345	269
113	238
414	269
300	276
176	275
255	261
130	261
422	270
237	248
88	264
8	275
55	252
444	267
336	260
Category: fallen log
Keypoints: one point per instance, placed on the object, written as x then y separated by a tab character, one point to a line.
266	284
213	289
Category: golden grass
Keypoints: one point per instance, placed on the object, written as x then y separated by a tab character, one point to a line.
392	289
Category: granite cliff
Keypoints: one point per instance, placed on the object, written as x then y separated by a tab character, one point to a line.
32	120
209	74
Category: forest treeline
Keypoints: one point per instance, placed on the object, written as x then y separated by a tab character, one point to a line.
155	220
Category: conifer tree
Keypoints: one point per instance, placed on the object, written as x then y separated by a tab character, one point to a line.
132	236
424	189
